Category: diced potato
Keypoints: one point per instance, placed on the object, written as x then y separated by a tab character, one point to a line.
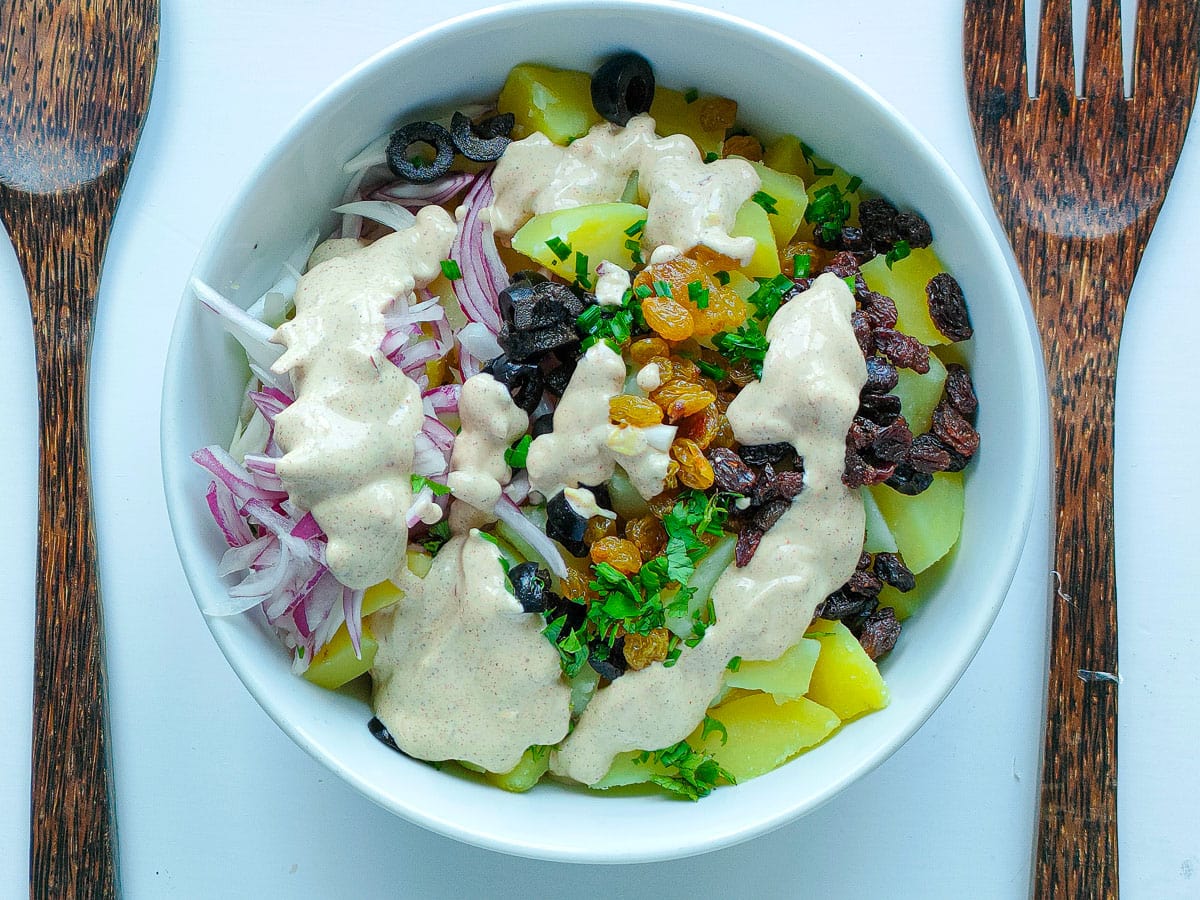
784	678
742	286
927	524
705	120
556	102
845	679
753	221
598	231
879	536
626	769
905	604
526	773
919	394
791	199
763	734
905	283
336	663
784	154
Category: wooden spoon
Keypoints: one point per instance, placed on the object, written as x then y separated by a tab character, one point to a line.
74	94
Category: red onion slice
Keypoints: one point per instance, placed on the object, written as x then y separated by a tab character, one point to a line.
509	514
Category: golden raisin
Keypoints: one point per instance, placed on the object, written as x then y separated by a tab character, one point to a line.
619	553
668	317
680	399
744	145
629	409
741	374
647	534
683	369
724	436
716	112
642	649
666	370
701	427
663	503
816	257
575	584
694	470
671	480
644	350
598	527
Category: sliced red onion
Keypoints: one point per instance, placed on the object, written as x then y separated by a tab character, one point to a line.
307	528
262	470
393	215
235	478
412	358
225	513
468	364
509	514
270	402
428	460
352	609
262	551
443	399
442	436
281	382
479	341
476	289
253	335
443	190
517	490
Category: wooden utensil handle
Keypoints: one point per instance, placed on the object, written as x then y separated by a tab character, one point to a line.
1077	829
72	819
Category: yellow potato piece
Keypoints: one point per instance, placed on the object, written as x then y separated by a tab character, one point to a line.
752	221
704	120
556	102
927	525
526	773
784	678
845	679
336	663
790	200
598	232
919	394
905	283
763	734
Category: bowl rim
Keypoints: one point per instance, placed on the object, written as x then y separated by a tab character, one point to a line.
1006	553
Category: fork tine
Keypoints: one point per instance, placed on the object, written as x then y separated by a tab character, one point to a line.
1103	69
994	47
1165	45
1056	55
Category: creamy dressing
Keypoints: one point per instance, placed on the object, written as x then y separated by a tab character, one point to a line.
808	395
689	202
490	423
464	673
348	437
584	445
611	283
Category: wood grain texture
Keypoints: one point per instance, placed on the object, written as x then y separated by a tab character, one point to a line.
75	91
1078	183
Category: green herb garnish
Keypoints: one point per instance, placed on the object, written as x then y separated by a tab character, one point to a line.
582	276
722	277
713	371
636	228
450	269
853	184
698	294
768	296
710	157
518	453
691	96
815	161
692	775
635	250
711	726
897	253
734	664
802	263
614	323
559	247
420	481
828	212
766	201
747	343
662	288
436	538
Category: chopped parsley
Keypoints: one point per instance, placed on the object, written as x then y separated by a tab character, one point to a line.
691	96
559	247
690	774
828	212
420	481
450	269
747	343
734	664
517	454
766	201
712	726
698	294
769	295
713	371
436	538
897	253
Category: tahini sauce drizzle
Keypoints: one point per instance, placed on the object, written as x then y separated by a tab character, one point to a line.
808	395
690	202
348	437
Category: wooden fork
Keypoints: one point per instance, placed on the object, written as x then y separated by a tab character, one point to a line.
1078	183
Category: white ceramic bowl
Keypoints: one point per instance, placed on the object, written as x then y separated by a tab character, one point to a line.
781	86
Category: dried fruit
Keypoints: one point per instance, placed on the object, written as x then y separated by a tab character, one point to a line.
598	528
903	350
892	442
747	543
694	469
948	307
768	515
645	349
880	631
891	569
908	480
881	375
574	585
679	399
744	145
619	553
668	317
663	503
629	409
789	484
880	309
877	218
914	229
647	534
700	427
730	472
927	454
643	649
862	332
960	391
843	604
761	454
953	430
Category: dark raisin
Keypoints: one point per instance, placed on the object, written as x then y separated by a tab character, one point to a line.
953	430
565	525
747	543
530	586
854	240
862	433
880	309
766	487
960	391
761	454
928	454
864	583
892	443
877	218
843	265
891	569
524	381
608	661
958	462
842	604
879	632
862	332
948	307
859	471
908	480
542	425
904	351
913	228
730	472
380	733
881	376
485	142
789	484
879	408
415	168
623	87
766	517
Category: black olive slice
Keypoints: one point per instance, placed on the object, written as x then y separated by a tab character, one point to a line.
565	525
484	142
623	87
430	133
524	381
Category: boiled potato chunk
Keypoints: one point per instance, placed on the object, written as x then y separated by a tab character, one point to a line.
790	201
926	525
905	283
845	679
556	102
784	678
879	536
705	120
598	231
919	394
763	734
752	221
904	604
336	663
627	769
528	772
784	154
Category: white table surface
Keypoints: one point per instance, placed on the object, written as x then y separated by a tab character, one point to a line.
214	801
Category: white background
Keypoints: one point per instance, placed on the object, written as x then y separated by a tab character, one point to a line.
214	801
